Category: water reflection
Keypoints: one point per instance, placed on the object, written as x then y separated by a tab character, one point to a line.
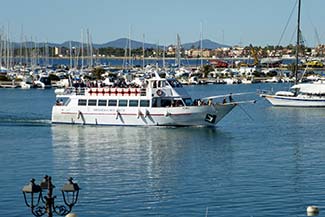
133	144
145	166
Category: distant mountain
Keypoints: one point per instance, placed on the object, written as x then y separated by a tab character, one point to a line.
67	44
31	44
121	43
118	43
206	44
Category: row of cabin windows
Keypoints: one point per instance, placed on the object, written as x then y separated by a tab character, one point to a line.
113	102
160	84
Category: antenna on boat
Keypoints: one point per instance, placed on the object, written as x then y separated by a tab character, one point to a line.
156	74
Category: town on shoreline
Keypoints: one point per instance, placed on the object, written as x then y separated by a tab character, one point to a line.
25	66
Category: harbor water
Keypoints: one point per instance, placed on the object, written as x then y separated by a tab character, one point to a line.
259	161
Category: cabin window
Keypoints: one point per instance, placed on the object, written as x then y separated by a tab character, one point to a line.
166	102
92	102
102	102
133	103
66	102
161	84
122	102
144	103
154	102
112	102
177	103
188	101
174	83
82	102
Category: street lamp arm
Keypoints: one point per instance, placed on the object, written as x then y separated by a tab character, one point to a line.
39	211
62	210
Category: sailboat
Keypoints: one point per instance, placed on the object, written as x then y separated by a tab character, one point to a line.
300	94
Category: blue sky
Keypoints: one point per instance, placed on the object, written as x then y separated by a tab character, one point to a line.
257	22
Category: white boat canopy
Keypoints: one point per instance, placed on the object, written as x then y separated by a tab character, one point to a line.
310	88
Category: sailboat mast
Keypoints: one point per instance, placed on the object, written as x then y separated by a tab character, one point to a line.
82	49
298	43
201	46
70	57
130	48
143	51
178	51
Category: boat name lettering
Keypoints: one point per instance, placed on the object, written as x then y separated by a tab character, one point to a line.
104	110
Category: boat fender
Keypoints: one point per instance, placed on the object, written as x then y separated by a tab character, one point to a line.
147	114
167	114
79	114
160	92
139	113
117	114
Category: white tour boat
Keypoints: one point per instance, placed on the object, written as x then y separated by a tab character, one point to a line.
157	102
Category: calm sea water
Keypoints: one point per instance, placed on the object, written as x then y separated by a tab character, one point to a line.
259	161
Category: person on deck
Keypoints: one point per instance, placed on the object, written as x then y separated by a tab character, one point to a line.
230	98
224	101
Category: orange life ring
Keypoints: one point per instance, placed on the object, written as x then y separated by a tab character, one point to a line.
160	92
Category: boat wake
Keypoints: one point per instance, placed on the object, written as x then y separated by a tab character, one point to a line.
23	120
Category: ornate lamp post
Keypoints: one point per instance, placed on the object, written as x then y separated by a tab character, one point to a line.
45	205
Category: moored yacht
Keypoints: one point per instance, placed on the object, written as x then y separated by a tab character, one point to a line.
43	82
301	95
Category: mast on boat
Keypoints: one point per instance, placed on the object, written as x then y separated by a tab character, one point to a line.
82	50
201	46
178	51
298	44
143	51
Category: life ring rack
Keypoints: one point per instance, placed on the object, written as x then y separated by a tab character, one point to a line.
115	91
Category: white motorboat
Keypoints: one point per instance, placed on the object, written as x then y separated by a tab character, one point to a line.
157	102
43	82
301	95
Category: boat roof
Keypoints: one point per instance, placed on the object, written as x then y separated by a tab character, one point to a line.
312	88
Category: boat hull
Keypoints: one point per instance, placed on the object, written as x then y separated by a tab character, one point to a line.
173	116
287	101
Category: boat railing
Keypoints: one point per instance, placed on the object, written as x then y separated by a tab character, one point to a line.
81	91
117	91
73	91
